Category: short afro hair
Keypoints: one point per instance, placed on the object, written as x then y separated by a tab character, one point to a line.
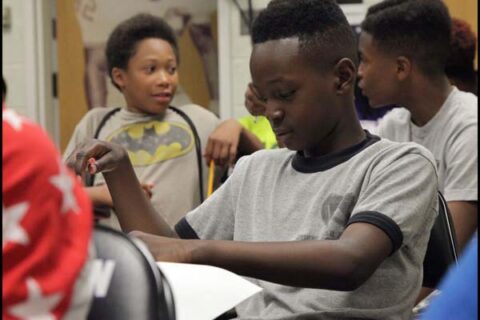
463	44
122	42
323	31
417	29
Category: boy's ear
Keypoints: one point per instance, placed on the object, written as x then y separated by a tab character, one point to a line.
404	67
345	73
118	77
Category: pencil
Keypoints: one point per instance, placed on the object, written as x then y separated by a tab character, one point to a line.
211	176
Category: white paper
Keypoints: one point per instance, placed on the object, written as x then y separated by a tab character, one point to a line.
204	292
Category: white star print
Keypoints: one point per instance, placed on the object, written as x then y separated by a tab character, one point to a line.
12	230
36	306
65	184
12	118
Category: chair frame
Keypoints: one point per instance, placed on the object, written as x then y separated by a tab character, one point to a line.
161	305
442	246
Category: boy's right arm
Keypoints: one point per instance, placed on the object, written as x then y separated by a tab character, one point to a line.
125	189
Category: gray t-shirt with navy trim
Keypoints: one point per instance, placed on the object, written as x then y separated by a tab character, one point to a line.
278	195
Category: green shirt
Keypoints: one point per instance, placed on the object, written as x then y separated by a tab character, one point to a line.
261	129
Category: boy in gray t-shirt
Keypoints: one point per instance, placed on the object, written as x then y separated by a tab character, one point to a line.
404	47
334	227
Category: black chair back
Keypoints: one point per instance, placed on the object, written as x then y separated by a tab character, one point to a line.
442	247
137	289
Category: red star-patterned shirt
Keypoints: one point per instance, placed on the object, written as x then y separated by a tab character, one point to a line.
46	222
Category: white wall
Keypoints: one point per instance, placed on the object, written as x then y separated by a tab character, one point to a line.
234	55
14	58
27	59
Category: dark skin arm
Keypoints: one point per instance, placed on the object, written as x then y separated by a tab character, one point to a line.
249	143
132	206
100	196
465	220
342	264
228	141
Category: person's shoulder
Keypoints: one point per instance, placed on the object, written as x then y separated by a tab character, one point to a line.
15	123
99	112
195	110
91	120
268	157
95	115
458	115
393	122
273	153
394	150
465	97
24	138
396	115
246	121
465	103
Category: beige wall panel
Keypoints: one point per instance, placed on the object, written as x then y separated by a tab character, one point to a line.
191	73
71	96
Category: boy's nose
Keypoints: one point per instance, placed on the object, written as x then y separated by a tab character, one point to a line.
274	114
163	78
360	71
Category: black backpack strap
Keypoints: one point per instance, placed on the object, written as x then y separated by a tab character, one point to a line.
104	120
91	178
198	147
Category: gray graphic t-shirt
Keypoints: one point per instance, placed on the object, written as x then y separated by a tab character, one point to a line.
162	152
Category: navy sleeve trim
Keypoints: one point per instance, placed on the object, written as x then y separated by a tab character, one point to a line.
383	222
185	231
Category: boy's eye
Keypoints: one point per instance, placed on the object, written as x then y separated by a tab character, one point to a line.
150	69
172	70
262	99
286	94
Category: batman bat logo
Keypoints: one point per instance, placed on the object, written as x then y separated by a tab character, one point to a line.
154	141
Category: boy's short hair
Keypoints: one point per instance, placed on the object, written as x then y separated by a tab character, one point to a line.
417	29
323	31
123	40
463	44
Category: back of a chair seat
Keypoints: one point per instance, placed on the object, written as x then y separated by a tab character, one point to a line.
128	283
442	247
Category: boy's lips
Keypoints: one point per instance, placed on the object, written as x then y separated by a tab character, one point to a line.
281	132
362	89
163	97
